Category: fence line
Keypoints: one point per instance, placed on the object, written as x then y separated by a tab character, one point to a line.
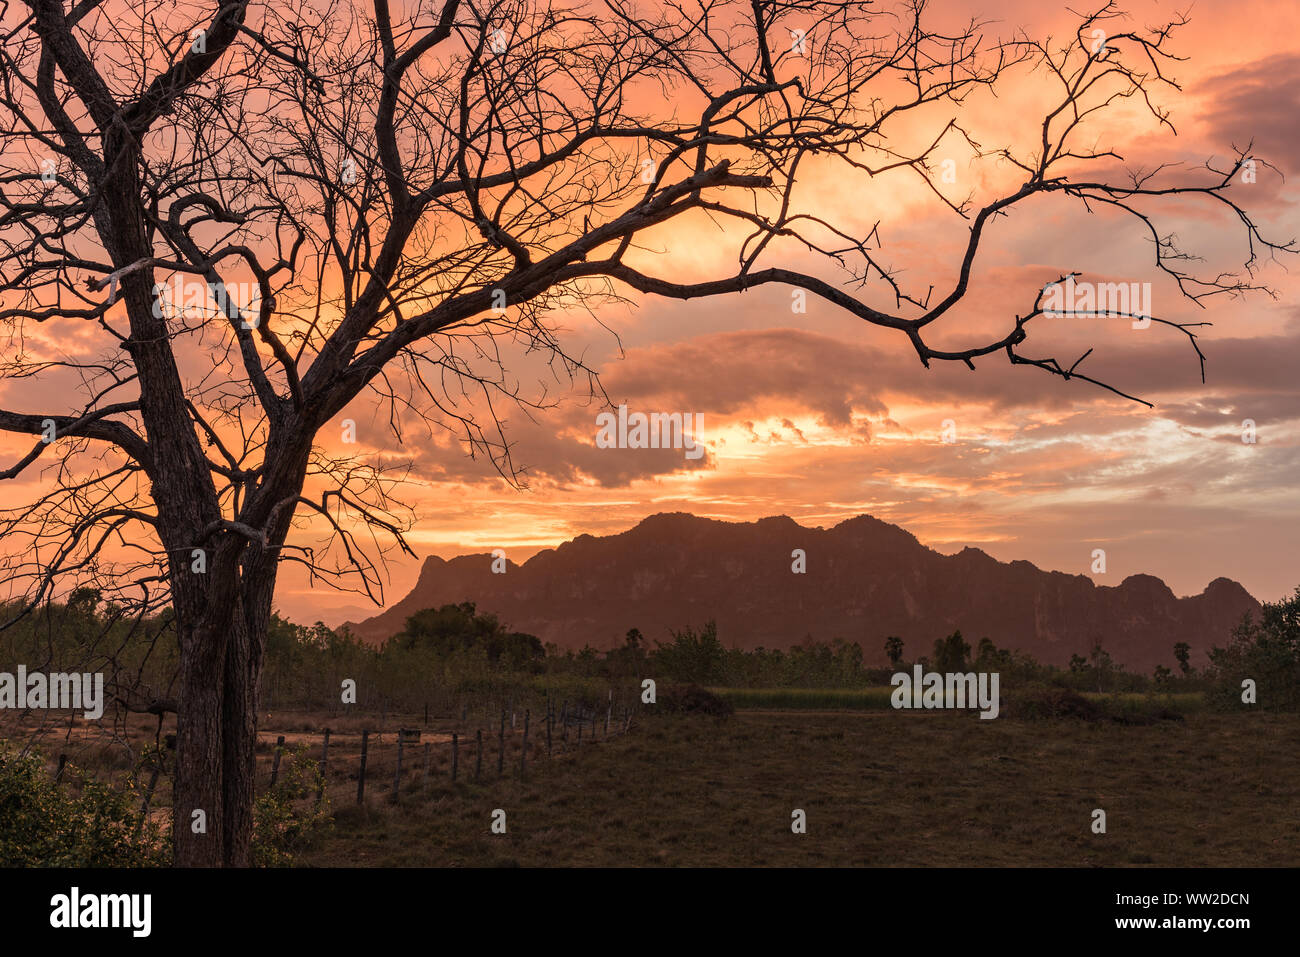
368	754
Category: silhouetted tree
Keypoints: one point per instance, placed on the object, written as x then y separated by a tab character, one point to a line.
894	649
1102	665
690	656
1264	650
951	654
408	198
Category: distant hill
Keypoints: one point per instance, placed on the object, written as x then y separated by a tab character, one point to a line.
865	579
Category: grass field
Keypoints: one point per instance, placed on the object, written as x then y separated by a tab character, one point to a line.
814	699
877	699
880	788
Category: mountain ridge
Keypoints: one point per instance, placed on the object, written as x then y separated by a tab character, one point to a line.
865	579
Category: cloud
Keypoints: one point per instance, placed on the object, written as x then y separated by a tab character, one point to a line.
1256	102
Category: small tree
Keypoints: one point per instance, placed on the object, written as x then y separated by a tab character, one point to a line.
1102	665
951	654
1183	652
1266	651
894	648
634	639
692	657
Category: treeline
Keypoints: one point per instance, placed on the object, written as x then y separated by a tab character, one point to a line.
448	654
138	654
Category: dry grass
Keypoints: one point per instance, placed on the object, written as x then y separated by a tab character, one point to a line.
879	789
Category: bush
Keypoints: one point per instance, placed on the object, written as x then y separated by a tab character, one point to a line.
82	823
692	699
691	657
286	817
1267	652
1038	702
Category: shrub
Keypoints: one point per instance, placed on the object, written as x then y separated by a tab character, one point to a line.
1266	651
287	816
1038	702
692	699
82	823
691	657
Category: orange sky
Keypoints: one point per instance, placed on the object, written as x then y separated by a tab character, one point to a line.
820	417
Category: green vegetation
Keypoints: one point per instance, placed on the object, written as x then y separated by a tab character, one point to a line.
446	655
287	817
807	699
1266	652
80	822
1091	727
83	821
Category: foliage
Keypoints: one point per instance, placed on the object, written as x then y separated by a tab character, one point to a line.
951	654
452	654
1038	702
78	823
692	699
287	817
894	649
1266	651
453	629
691	657
809	699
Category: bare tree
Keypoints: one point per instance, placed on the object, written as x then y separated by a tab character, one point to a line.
408	197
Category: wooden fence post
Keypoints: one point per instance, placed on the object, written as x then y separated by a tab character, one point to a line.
58	775
275	762
148	796
426	765
523	754
478	756
501	745
397	774
324	765
455	755
361	778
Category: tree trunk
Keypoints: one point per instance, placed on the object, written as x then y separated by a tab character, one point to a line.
221	663
197	837
239	737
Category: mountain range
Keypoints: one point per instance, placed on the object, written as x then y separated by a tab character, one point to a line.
865	579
